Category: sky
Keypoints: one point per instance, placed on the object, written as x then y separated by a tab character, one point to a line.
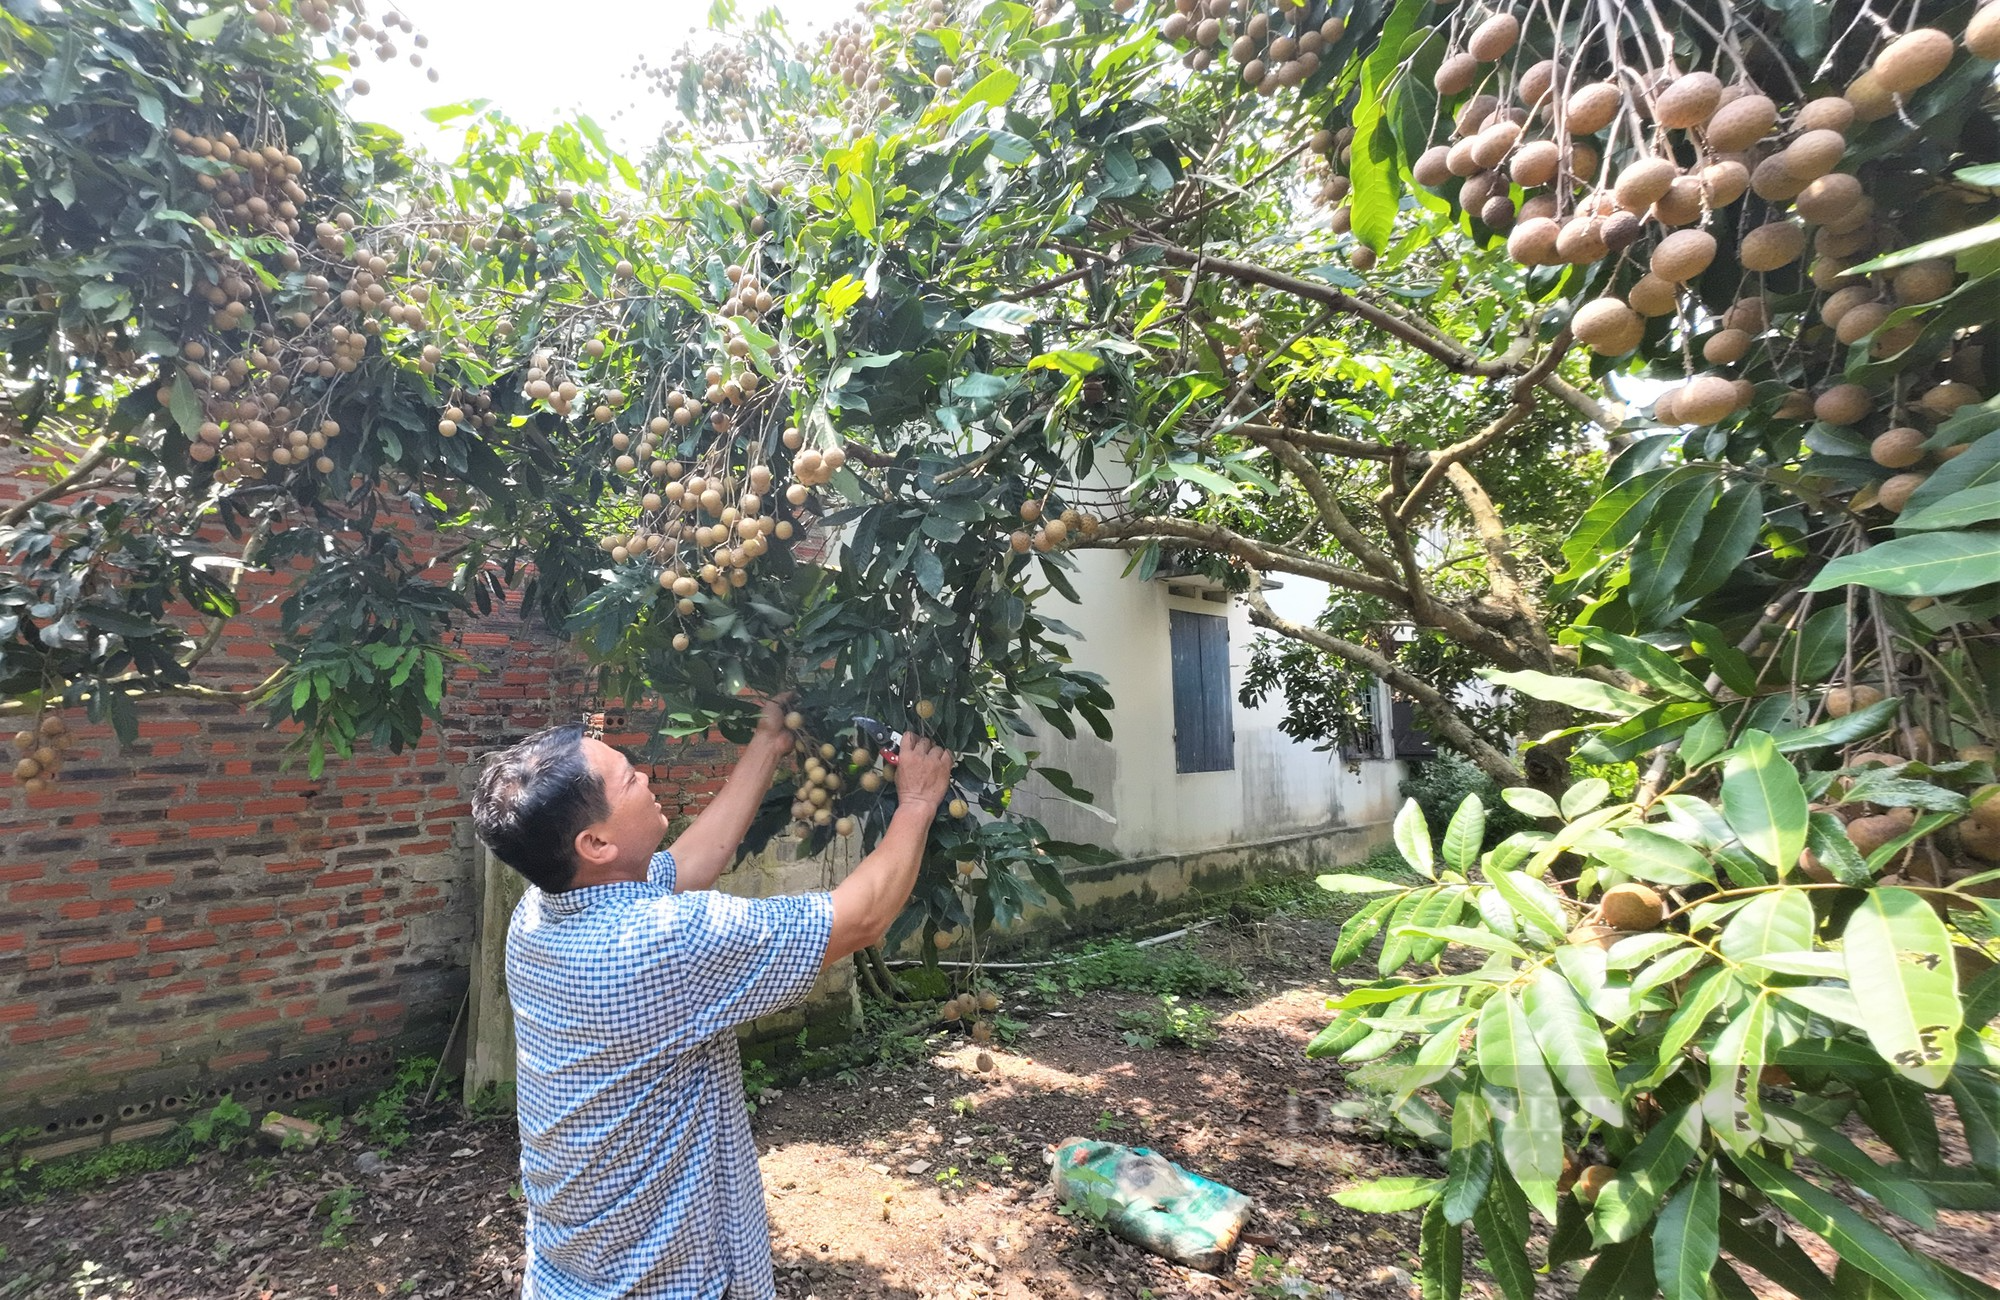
543	63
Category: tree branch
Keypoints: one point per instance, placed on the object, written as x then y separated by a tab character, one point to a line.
92	457
1128	534
1450	723
1331	444
1446	351
131	688
1330	513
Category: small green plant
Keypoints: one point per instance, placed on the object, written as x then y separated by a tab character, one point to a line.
385	1117
1092	1194
1106	1121
895	1051
757	1080
1191	1026
225	1127
170	1225
338	1207
1159	968
949	1179
1272	1278
494	1101
15	1167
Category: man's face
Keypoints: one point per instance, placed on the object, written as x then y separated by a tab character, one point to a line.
635	822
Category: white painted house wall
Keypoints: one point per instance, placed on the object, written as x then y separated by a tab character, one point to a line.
1278	786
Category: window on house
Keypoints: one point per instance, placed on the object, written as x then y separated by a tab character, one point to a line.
1204	709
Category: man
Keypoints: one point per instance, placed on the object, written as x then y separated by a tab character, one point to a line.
628	976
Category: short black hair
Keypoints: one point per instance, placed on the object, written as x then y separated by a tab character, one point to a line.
533	799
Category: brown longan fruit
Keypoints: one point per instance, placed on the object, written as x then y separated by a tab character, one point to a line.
1494	37
1683	255
1894	493
1608	327
1898	448
1913	60
1843	404
1688	101
1772	245
1741	123
1590	108
1632	906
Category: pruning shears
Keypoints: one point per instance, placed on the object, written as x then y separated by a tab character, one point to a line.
883	739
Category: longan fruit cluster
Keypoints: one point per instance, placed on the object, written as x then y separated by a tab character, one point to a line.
40	751
1045	532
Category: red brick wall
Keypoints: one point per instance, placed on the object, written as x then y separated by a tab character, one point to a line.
189	915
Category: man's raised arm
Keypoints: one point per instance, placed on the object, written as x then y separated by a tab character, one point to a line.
711	840
867	902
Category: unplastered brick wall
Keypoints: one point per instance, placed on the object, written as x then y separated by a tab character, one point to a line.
192	914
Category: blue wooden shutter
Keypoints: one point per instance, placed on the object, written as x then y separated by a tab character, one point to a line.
1204	711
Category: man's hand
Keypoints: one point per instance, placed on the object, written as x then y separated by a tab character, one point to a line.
771	729
923	773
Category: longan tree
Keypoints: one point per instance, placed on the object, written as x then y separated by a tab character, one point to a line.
820	395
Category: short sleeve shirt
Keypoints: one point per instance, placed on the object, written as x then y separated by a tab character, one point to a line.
637	1161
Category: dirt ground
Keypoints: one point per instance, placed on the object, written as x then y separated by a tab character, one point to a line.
926	1181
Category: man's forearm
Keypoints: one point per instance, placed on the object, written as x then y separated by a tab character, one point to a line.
882	881
711	840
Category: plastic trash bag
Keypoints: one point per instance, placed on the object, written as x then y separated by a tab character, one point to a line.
1152	1202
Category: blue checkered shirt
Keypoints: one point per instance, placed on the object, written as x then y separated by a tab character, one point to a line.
636	1156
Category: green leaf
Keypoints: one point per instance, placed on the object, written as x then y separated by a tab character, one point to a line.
1502	1223
1727	535
1735	1069
1465	835
1584	796
1530	802
1573	1046
1764	802
1532	901
1831	1149
1413	839
1469	1166
1973	505
1827	838
1927	564
1622	1271
1337	1037
1010	318
1764	1246
1373	158
1441	1256
1700	1000
1778	920
185	406
1577	692
1839	731
1361	928
1626	1204
1647	662
1523	1099
1388	1195
1613	520
1900	967
1666	546
1648	855
1943	246
1976	1098
1900	1113
1855	1239
1341	882
1687	1238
